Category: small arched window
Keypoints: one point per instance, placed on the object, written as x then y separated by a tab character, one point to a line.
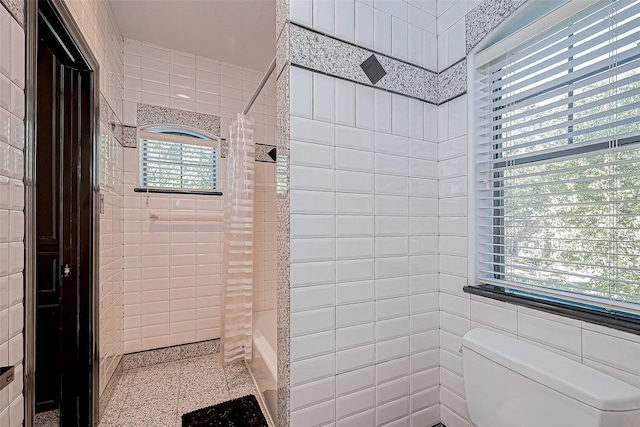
174	157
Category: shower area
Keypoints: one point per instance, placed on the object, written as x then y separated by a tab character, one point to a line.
188	252
198	265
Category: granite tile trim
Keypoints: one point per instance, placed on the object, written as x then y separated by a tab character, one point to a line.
452	82
107	394
485	17
170	354
324	54
282	50
16	9
283	248
130	137
282	16
109	118
156	115
262	153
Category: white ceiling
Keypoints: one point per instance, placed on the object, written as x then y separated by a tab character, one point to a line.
241	32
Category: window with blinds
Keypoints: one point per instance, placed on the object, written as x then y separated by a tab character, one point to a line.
175	159
559	159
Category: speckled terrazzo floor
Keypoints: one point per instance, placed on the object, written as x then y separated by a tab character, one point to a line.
158	395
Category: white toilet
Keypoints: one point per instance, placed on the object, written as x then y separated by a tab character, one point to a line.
511	383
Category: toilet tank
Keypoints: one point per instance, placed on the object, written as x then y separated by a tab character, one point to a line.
511	383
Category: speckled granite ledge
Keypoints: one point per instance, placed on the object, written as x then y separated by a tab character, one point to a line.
485	17
327	55
170	354
15	8
154	115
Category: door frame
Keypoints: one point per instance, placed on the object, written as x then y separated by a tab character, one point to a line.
31	30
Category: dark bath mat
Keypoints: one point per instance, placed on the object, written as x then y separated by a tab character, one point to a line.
241	412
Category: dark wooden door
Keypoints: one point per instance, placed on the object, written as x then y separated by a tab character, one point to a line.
50	230
63	376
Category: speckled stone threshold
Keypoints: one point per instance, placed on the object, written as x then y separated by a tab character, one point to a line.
170	354
47	419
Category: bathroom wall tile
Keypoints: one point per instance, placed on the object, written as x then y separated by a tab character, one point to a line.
390	411
399	38
355	359
313	297
348	137
383	111
354	292
313	369
312	202
354	336
324	16
345	20
610	351
314	155
320	414
313	321
382	34
314	345
364	25
323	97
311	131
454	402
558	335
314	273
457	42
307	250
301	11
345	103
301	93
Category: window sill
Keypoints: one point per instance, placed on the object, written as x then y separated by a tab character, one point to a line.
621	321
177	191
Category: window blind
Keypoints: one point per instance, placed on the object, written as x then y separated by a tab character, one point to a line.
168	164
558	158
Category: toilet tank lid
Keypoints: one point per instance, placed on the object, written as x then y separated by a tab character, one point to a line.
559	373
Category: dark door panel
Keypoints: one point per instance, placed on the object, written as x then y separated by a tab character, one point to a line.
64	226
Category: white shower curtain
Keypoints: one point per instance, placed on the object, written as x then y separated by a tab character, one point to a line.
237	274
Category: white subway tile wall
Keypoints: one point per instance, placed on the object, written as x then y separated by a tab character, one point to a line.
403	29
12	60
172	269
364	322
170	78
101	32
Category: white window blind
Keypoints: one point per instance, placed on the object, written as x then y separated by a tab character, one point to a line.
175	160
559	158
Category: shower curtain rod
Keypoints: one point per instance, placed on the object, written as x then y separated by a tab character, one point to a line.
260	86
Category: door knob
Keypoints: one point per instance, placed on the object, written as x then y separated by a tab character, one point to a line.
66	270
